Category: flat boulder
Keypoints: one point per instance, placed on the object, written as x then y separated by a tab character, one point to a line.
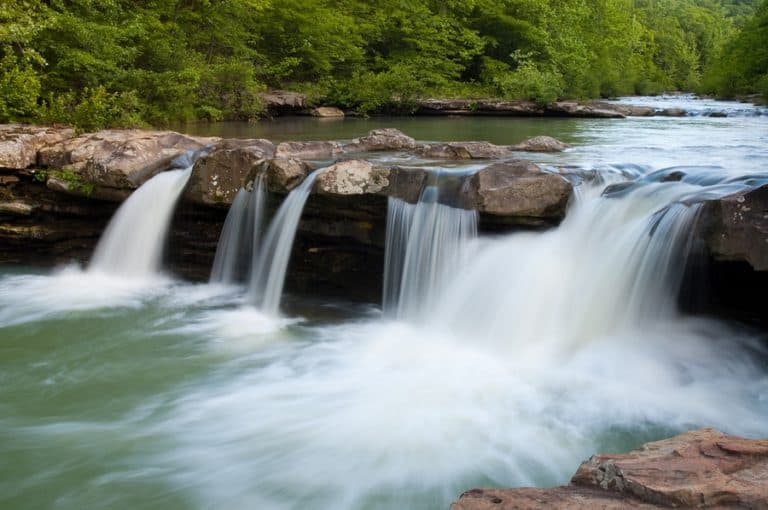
586	110
19	144
384	139
308	150
463	150
735	227
218	175
699	469
518	189
122	159
540	144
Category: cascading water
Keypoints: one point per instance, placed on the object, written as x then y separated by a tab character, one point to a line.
241	234
424	247
271	261
132	245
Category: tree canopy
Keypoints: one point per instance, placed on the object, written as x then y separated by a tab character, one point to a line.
151	62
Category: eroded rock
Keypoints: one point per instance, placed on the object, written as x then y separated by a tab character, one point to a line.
20	144
285	174
699	469
540	144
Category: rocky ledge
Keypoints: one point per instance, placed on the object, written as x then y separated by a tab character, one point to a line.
700	469
57	189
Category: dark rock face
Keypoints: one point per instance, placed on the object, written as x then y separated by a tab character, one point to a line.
518	190
735	228
218	176
700	469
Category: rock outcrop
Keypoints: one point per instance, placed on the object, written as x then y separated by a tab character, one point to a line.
117	159
496	107
19	145
700	469
281	102
735	228
518	190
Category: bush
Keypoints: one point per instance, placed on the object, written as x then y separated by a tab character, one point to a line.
19	89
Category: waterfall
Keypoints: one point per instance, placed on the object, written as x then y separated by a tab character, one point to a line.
271	261
424	248
241	234
132	244
614	264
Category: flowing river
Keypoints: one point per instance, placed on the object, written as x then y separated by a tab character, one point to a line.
497	361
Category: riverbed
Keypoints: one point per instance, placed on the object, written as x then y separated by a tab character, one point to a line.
535	351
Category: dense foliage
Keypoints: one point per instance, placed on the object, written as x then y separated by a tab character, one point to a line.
118	62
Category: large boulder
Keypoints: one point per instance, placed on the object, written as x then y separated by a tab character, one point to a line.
285	174
308	150
518	189
384	139
699	469
217	176
735	228
20	144
540	144
122	159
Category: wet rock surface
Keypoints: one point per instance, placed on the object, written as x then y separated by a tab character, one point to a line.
735	228
699	469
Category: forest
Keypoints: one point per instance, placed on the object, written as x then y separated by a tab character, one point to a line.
96	63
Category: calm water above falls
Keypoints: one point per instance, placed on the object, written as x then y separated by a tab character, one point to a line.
537	351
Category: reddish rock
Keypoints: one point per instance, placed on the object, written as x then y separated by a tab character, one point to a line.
699	469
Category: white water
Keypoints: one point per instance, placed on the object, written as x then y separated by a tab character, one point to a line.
240	238
425	246
132	245
268	275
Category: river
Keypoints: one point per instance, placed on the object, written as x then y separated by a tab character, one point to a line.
528	354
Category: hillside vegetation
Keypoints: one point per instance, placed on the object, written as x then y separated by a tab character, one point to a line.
95	63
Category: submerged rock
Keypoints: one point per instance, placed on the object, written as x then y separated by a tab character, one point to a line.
121	159
540	144
699	469
735	228
518	189
217	176
19	144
